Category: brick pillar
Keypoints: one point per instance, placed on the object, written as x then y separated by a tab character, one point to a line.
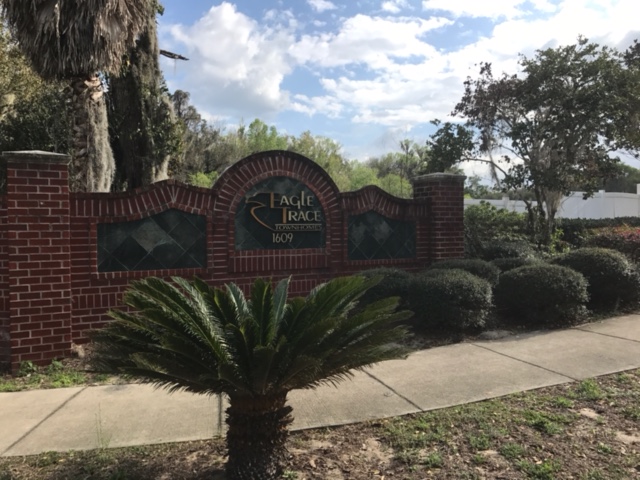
5	340
443	194
39	261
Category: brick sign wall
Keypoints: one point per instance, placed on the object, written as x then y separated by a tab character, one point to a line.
66	259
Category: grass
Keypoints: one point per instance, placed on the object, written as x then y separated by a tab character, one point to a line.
512	451
547	423
527	432
55	375
589	390
545	470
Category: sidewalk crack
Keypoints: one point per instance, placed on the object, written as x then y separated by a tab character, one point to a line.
524	361
606	335
53	412
408	400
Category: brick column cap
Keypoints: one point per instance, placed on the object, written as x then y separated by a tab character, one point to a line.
35	156
433	177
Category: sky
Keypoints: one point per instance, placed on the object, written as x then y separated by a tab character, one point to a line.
365	73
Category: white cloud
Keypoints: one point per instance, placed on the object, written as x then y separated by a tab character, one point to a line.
325	105
475	8
544	6
394	6
235	63
321	5
374	70
373	41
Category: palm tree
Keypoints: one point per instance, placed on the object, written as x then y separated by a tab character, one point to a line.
207	340
73	40
146	135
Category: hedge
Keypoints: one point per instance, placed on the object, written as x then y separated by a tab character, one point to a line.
541	294
613	279
450	300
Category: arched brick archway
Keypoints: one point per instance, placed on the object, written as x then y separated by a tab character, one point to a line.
259	169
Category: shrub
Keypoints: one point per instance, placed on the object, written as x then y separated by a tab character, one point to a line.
453	300
485	223
476	266
394	283
623	239
576	231
506	264
541	294
507	249
613	280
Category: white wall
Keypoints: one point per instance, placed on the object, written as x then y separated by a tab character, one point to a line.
601	205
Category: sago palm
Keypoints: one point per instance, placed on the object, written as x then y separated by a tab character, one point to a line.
191	336
73	40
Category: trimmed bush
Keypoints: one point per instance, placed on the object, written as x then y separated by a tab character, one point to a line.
450	300
541	294
485	223
576	230
479	268
613	280
394	283
622	239
506	264
507	249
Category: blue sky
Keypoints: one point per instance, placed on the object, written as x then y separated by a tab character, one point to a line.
366	73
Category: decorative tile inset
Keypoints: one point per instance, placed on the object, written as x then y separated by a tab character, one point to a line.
375	237
169	240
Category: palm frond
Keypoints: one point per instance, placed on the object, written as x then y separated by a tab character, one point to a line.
261	311
278	310
165	304
70	38
189	335
207	325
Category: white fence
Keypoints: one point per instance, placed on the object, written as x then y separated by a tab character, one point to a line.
601	205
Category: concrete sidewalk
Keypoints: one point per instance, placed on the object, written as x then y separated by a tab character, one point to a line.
123	415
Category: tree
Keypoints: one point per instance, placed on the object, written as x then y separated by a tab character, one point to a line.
261	137
73	41
37	122
145	134
205	150
474	188
326	153
626	179
361	176
558	124
17	79
386	164
409	162
32	111
396	185
449	145
206	340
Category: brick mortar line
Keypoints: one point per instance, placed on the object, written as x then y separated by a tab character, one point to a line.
31	430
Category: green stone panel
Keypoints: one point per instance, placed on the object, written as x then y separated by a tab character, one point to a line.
375	237
169	240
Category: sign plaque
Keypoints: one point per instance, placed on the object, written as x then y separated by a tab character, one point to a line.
279	213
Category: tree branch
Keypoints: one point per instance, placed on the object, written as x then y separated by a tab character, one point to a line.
174	56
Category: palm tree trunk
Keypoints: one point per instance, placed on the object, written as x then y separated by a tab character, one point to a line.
93	166
144	127
256	437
